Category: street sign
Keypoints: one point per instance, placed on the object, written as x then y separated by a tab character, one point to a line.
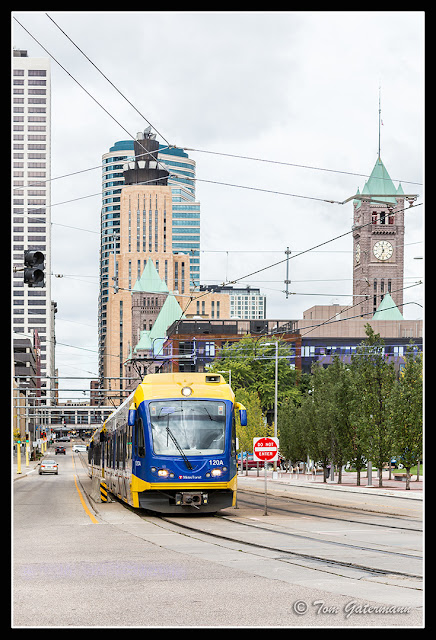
266	449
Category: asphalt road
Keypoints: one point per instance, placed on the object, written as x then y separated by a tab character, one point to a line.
78	564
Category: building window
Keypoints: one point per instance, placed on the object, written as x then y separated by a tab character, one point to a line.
209	349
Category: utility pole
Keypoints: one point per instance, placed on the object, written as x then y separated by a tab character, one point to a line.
287	281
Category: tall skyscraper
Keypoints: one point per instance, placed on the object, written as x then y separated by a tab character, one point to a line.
32	306
177	232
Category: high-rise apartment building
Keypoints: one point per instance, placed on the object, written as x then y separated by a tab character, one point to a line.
168	227
32	306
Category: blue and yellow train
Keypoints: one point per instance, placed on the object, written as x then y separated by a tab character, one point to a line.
171	446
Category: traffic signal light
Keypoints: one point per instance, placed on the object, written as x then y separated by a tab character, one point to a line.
34	268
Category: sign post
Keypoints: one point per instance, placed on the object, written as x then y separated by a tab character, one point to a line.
265	449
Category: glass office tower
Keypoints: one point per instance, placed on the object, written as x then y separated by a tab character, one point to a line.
185	215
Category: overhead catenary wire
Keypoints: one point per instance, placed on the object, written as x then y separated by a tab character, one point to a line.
195	298
110	81
315	247
241	186
197	179
185	148
86	91
288	164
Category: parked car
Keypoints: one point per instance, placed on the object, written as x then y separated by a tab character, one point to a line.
60	450
80	447
48	466
252	463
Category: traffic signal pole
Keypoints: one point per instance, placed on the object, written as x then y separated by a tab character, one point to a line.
33	268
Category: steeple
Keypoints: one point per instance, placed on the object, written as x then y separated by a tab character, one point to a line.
150	281
379	182
379	119
387	310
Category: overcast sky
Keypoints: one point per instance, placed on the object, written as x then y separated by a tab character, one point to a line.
294	87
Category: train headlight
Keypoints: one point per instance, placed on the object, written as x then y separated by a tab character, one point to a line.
186	391
163	473
215	473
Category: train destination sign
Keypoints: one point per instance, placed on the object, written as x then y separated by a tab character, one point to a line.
266	449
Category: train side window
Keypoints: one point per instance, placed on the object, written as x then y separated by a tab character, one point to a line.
233	439
124	447
139	438
118	449
106	452
128	444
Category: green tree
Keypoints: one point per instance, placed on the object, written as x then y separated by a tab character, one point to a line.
253	368
332	386
293	445
374	378
315	428
406	412
256	423
255	419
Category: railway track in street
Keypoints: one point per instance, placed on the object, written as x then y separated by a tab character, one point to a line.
299	506
314	560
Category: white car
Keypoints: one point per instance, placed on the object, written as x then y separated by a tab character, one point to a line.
80	447
48	466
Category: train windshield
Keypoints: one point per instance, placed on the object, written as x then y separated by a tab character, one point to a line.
188	427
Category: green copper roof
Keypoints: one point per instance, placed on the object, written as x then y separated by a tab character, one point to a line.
387	310
400	191
356	200
380	182
150	280
144	342
155	338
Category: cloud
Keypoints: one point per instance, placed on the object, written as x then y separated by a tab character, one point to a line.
297	87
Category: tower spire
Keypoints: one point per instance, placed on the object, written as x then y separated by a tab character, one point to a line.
379	118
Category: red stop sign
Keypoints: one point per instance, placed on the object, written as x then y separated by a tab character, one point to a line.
265	449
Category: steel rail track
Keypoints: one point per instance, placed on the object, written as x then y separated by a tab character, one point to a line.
321	505
328	561
332	542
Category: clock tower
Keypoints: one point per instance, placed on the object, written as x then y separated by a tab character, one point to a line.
378	242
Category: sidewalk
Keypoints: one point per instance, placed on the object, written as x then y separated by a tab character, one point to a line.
24	470
349	483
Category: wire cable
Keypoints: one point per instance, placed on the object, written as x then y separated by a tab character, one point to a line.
290	164
88	93
110	82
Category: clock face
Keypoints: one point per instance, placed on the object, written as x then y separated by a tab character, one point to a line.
357	253
383	250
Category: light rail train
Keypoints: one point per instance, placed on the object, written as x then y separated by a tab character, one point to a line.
171	446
